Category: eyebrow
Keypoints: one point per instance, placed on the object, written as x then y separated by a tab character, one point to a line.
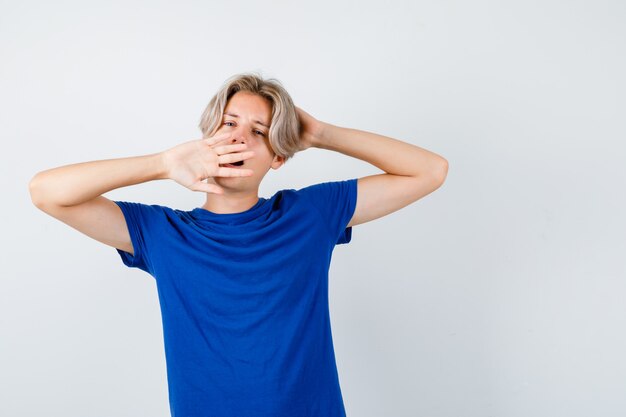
256	121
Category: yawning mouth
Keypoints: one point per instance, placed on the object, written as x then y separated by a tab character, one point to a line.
234	164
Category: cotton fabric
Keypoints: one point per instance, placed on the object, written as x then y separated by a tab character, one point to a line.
244	301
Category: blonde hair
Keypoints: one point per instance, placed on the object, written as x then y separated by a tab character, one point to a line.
284	131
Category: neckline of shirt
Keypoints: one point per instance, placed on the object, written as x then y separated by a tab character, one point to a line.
201	213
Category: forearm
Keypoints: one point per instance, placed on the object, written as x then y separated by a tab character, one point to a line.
390	155
74	184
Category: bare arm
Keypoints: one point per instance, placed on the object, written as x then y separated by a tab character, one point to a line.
411	172
74	184
73	193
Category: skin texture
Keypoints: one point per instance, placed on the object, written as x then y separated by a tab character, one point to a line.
73	193
411	172
241	193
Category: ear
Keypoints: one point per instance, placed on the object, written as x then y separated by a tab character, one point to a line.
277	162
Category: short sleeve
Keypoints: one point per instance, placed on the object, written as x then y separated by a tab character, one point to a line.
140	220
336	202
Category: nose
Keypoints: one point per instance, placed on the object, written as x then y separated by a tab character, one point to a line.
238	139
240	134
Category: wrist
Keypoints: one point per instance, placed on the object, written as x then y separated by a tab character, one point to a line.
323	135
161	161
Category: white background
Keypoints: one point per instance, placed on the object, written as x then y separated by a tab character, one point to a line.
500	294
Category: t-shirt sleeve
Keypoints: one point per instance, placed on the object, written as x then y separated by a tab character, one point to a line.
141	220
336	202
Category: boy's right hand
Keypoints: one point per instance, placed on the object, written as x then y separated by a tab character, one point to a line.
192	162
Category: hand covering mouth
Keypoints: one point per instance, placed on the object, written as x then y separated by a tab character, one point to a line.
236	164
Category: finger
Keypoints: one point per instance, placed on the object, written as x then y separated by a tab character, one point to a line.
228	141
207	187
230	148
234	157
217	138
233	172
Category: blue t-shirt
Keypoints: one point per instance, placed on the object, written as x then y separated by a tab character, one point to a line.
244	301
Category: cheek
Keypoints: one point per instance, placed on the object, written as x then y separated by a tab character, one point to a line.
261	152
258	145
218	131
268	145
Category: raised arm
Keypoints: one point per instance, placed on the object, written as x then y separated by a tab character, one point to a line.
73	193
411	172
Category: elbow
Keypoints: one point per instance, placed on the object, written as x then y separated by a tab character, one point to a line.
443	171
35	190
440	171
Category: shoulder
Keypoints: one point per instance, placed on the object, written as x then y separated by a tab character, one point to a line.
329	188
148	212
333	199
329	193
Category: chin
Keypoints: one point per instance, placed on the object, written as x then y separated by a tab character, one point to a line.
237	183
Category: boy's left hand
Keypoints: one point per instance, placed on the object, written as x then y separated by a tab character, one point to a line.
310	129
